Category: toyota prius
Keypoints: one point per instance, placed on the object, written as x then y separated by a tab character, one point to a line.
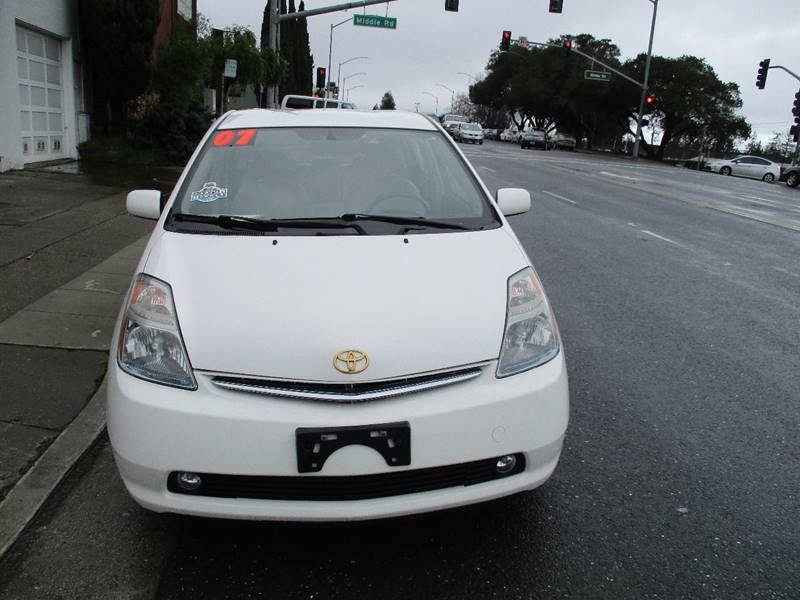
333	320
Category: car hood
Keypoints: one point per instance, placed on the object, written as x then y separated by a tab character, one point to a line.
248	305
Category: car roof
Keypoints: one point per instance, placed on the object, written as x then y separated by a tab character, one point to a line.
326	117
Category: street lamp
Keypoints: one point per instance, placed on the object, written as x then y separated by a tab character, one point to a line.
645	91
452	94
339	70
330	49
344	80
466	75
355	87
435	98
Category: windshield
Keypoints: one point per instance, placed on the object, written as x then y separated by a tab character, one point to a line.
326	173
471	127
454	119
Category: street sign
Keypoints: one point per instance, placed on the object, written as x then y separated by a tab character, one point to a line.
230	68
375	21
522	41
603	76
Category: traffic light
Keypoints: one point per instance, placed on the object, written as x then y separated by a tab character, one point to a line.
649	102
505	42
568	44
763	67
451	5
556	6
321	73
796	108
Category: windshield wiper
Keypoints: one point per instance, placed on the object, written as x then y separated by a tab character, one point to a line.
413	221
239	222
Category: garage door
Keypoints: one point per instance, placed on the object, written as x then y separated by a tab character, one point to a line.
40	95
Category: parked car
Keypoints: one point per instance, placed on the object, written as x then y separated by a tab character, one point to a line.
745	166
295	102
792	176
563	141
491	134
510	135
332	320
468	133
535	138
451	121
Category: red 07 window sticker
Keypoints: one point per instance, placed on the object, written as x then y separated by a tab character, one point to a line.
233	137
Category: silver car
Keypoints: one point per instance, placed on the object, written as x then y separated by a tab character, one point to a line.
746	166
469	132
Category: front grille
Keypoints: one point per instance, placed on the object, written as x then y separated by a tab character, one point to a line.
345	392
354	487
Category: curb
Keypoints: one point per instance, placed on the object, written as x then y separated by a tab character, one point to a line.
30	493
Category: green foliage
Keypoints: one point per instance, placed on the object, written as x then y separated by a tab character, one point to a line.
387	102
120	150
295	51
118	40
171	119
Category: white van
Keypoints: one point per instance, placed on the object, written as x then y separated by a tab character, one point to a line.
293	102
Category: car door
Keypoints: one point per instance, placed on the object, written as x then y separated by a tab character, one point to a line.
760	167
742	167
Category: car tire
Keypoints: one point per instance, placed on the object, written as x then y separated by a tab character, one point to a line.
768	178
793	179
725	171
480	143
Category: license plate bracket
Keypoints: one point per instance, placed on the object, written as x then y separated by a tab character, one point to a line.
316	444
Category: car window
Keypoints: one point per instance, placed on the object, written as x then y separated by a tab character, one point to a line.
306	173
299	103
748	161
760	161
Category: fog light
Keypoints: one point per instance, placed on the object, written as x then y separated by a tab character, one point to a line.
506	464
189	481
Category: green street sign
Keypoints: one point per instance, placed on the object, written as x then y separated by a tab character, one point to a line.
603	76
375	21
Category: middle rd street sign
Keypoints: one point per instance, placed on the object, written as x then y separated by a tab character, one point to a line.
603	76
375	21
230	68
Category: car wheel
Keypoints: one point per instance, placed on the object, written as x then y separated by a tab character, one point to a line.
480	143
725	171
768	178
792	180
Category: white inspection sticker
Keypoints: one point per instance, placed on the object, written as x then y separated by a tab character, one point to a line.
209	193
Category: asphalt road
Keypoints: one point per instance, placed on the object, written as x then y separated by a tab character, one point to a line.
677	298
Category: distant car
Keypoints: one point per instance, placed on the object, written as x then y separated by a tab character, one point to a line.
535	138
563	141
792	176
451	121
510	135
294	102
754	167
468	132
491	134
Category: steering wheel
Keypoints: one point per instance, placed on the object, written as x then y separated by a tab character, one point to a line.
388	199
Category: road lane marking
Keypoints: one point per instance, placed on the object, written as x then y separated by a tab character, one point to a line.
757	200
487	169
559	197
620	176
662	238
766	213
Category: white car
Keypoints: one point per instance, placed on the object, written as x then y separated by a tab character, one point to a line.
333	320
468	133
746	166
450	122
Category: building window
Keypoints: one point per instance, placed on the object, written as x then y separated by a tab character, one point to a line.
185	9
26	146
56	144
41	144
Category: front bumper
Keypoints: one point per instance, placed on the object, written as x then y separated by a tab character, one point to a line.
156	430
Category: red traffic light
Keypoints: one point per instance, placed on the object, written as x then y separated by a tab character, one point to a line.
568	43
505	42
649	99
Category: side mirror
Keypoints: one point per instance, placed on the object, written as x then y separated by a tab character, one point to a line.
513	201
144	203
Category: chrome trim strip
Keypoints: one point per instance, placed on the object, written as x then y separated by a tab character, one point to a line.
389	392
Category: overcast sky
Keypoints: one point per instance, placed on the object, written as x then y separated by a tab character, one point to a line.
430	46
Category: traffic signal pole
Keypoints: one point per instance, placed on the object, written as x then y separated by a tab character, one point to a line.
275	20
646	83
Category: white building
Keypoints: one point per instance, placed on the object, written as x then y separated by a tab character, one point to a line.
42	111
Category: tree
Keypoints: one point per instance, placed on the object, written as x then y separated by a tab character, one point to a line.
297	62
387	102
688	96
118	40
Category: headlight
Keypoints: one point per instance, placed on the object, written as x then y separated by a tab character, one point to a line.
150	344
530	338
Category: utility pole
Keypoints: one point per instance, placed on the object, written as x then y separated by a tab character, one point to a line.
646	82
